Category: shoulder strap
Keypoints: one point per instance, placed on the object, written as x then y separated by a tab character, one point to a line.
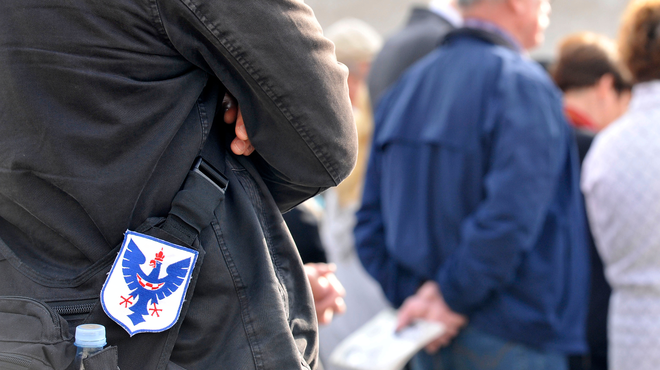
193	209
194	205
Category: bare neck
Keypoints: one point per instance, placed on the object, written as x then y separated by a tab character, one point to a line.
585	102
496	13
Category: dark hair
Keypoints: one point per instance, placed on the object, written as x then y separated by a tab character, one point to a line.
583	59
639	40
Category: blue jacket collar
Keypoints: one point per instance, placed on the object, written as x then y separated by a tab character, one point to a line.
487	32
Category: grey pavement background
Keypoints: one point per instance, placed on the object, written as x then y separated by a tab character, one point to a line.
568	16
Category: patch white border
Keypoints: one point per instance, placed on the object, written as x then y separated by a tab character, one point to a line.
128	236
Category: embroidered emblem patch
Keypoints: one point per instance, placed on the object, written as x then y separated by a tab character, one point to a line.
146	287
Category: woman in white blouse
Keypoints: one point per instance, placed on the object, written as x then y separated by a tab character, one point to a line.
621	184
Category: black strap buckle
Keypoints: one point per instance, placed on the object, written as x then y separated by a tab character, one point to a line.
207	171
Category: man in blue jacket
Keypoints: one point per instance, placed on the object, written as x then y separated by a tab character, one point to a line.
472	211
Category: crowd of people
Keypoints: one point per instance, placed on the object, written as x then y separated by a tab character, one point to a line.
158	159
473	203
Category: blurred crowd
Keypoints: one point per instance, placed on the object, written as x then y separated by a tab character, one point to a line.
518	206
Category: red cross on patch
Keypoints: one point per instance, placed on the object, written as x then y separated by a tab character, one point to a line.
155	310
126	301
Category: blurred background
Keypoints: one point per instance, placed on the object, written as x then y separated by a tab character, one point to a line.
568	16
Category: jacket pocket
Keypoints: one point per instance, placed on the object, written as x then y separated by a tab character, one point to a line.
33	336
12	361
35	283
104	360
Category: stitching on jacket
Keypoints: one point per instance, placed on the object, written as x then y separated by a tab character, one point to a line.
239	288
158	22
232	50
253	193
204	121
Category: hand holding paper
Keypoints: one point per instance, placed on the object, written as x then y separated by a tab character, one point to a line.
427	304
378	346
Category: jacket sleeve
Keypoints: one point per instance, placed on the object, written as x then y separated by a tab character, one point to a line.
528	151
397	282
271	55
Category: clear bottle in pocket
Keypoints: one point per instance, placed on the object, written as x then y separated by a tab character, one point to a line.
90	339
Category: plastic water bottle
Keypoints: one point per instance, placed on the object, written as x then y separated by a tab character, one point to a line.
90	339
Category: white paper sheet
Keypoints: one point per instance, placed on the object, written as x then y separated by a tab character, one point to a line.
376	345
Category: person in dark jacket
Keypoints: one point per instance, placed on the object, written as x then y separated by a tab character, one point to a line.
105	108
472	213
596	92
424	31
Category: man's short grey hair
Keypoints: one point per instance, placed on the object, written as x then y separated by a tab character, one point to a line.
467	3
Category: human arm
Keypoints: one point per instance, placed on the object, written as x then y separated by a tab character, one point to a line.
397	281
272	57
528	151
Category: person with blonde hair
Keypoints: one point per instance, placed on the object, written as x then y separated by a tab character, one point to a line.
356	43
622	191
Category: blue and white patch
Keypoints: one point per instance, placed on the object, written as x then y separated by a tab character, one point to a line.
146	287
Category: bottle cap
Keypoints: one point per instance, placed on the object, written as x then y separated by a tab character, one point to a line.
90	335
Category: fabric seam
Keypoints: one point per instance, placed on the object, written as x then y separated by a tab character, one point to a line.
306	137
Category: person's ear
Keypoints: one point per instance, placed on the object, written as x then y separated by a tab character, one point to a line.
517	6
605	85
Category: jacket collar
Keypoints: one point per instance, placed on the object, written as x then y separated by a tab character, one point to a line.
421	14
446	11
486	31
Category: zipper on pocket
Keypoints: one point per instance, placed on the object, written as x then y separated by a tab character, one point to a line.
74	312
23	362
73	308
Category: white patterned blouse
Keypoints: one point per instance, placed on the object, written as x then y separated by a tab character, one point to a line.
621	184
